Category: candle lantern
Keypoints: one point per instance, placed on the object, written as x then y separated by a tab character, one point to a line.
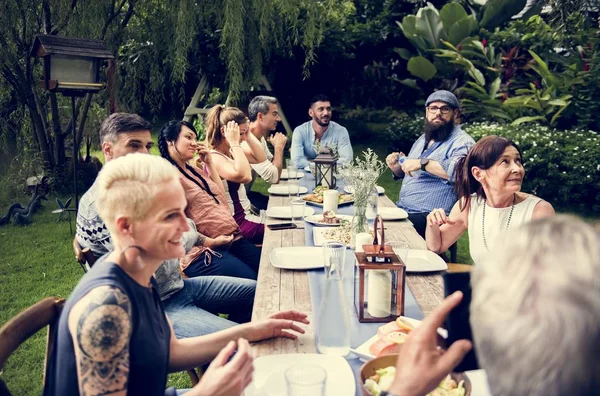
379	281
325	168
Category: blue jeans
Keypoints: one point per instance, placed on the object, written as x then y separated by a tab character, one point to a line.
241	260
193	310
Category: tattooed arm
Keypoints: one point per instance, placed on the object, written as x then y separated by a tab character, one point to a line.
100	325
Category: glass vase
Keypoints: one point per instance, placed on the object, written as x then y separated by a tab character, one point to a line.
359	223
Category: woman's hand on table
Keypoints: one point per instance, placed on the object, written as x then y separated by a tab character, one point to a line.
278	325
226	377
220	241
424	364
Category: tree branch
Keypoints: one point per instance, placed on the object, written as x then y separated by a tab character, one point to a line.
47	17
61	25
111	18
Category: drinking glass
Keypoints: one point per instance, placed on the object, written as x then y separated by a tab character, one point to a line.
291	169
334	258
293	188
298	205
401	249
305	380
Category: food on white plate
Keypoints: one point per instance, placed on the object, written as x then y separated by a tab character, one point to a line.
329	217
390	343
383	378
400	324
317	196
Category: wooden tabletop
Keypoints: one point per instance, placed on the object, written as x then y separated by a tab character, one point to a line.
279	289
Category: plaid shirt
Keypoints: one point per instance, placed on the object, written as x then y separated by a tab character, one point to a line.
424	191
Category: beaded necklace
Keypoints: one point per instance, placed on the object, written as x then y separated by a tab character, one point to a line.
512	207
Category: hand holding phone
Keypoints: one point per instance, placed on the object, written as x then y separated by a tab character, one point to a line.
458	320
281	226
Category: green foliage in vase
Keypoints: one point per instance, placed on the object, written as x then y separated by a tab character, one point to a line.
362	174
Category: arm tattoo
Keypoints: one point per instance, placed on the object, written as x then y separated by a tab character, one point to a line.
103	334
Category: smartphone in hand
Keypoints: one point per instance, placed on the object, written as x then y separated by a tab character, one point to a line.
458	321
281	226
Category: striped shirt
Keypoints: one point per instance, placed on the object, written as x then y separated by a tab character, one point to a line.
424	191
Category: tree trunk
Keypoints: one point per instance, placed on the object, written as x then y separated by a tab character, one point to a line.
59	143
82	118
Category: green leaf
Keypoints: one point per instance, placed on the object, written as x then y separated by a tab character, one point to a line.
496	12
421	67
409	82
494	87
403	53
477	76
543	67
522	120
429	27
557	102
450	14
408	25
477	87
462	29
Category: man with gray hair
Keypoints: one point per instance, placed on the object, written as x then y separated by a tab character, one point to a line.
191	304
535	316
263	113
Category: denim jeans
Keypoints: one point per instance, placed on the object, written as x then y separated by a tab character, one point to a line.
241	260
193	310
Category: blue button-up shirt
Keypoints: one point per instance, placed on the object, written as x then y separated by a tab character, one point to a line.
303	140
424	191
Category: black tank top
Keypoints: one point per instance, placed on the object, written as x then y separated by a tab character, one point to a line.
148	346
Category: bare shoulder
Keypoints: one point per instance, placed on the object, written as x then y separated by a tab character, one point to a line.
100	325
542	210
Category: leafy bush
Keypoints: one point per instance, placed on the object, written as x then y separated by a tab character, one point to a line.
563	167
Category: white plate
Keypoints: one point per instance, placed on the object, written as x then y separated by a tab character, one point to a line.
269	380
297	257
392	213
424	261
278	189
284	175
318	220
363	352
285	212
350	189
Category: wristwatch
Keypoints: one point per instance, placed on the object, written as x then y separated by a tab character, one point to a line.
424	162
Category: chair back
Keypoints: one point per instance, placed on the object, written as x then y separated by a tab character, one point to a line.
24	325
83	255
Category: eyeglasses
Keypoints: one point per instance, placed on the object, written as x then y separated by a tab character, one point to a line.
434	109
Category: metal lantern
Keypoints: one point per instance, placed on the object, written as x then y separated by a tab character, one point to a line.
379	281
325	169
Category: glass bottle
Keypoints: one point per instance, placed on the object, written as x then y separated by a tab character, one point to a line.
333	325
359	222
372	207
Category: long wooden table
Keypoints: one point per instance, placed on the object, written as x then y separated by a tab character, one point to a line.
280	289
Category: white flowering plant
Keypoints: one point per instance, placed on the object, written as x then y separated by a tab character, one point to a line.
362	175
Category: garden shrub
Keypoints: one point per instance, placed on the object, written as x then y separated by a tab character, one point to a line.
563	167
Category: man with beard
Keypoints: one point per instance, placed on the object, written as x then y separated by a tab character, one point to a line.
320	132
428	169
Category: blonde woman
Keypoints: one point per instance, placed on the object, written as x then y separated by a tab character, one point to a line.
113	335
226	129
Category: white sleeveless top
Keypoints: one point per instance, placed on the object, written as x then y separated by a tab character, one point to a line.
495	223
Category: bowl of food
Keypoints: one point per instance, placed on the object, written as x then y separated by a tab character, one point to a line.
378	374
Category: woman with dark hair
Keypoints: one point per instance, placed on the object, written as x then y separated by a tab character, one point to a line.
490	201
225	251
232	162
